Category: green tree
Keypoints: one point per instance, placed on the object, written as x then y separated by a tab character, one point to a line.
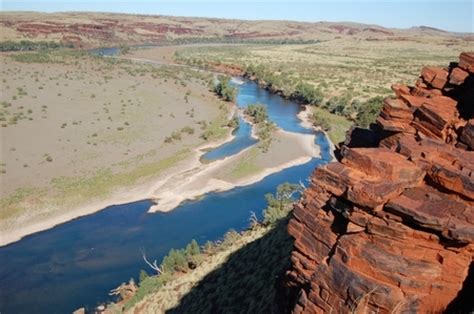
143	275
193	248
224	89
307	93
174	261
279	205
369	111
257	112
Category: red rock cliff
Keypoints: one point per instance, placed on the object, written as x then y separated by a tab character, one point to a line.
390	226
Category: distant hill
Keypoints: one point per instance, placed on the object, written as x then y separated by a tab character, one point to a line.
87	30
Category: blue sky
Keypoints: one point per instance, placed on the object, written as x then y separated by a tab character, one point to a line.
449	15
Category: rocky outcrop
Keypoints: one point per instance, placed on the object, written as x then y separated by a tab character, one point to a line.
389	227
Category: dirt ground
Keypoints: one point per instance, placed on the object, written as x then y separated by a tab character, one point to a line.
65	122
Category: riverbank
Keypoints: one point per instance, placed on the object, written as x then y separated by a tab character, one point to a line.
306	122
120	196
188	180
199	179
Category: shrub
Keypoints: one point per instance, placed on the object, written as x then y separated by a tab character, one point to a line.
307	93
188	130
224	89
320	121
233	123
264	134
36	57
257	112
176	135
279	204
175	261
193	248
209	247
143	275
27	45
230	237
369	111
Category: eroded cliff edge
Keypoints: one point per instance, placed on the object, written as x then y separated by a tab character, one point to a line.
390	226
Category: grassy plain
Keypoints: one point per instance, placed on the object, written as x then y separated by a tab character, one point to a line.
345	70
75	128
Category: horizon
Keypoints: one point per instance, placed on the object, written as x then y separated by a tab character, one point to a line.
455	16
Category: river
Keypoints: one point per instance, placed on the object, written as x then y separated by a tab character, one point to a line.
78	262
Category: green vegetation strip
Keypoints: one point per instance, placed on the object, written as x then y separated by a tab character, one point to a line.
27	45
265	128
245	166
76	190
335	126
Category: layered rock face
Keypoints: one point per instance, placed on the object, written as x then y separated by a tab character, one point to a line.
390	226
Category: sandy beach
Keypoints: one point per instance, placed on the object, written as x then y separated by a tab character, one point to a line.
306	122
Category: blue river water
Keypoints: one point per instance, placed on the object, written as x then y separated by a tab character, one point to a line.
113	51
280	110
77	263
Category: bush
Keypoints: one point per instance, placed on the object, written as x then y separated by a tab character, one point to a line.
176	135
337	105
175	261
257	112
193	248
233	123
369	111
307	93
183	259
320	121
147	286
224	90
209	247
27	45
230	237
143	275
188	130
280	204
264	134
35	57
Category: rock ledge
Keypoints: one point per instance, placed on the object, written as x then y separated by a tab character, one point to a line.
390	226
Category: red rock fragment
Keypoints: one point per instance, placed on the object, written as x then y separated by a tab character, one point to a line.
467	135
457	76
466	61
436	77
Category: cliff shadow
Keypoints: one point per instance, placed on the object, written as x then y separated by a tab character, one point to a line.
464	303
248	281
464	95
